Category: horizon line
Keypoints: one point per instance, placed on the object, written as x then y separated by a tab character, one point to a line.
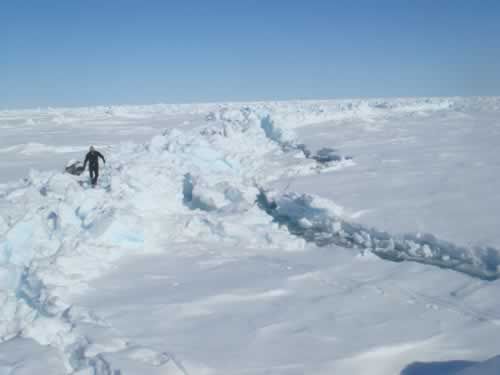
229	102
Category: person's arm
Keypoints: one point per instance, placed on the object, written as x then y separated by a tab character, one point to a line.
86	161
102	157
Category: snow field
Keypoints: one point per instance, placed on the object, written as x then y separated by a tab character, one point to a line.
178	216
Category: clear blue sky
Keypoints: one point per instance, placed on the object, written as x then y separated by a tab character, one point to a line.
85	52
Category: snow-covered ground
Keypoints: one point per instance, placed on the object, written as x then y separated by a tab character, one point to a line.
231	239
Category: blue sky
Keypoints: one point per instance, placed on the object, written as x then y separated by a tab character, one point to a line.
86	52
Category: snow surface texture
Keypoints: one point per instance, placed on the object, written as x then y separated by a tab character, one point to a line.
212	203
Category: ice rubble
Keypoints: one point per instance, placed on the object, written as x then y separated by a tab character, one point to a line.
56	234
304	217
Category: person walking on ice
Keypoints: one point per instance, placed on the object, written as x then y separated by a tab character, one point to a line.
93	159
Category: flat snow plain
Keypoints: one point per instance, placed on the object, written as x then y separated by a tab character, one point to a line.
219	241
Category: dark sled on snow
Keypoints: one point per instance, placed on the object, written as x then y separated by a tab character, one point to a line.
74	168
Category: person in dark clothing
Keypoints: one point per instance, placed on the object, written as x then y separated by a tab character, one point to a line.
93	159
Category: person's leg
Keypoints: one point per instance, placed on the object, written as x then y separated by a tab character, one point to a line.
96	175
93	178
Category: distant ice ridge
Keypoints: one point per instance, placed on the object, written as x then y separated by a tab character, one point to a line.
296	113
293	113
312	219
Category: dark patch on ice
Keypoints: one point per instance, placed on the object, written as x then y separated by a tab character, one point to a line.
436	368
79	361
187	189
74	168
488	367
327	155
43	191
100	365
317	225
32	291
191	200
